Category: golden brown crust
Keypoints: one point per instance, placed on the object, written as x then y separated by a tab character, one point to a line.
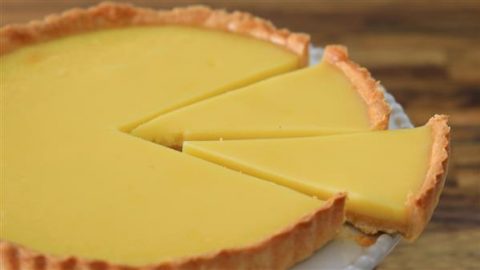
111	15
368	89
279	251
370	225
421	205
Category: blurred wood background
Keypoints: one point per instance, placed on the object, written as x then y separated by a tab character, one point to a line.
427	53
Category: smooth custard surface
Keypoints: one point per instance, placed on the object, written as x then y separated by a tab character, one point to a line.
73	183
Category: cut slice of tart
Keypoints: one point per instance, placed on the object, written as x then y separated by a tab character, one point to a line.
334	96
79	193
393	178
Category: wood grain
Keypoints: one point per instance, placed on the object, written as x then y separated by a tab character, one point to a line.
427	53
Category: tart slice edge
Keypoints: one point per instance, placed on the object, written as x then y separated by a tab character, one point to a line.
422	204
366	86
108	15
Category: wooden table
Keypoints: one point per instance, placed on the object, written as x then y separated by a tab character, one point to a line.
427	53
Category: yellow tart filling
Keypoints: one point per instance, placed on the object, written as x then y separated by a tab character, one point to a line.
79	184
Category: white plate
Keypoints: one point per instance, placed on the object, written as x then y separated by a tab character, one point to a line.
344	252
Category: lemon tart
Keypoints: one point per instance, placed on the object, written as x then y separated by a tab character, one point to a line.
335	96
393	178
79	192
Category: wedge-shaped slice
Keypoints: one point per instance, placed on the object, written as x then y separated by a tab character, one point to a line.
393	178
335	96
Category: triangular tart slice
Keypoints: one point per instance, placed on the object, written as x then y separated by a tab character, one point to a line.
393	178
334	96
